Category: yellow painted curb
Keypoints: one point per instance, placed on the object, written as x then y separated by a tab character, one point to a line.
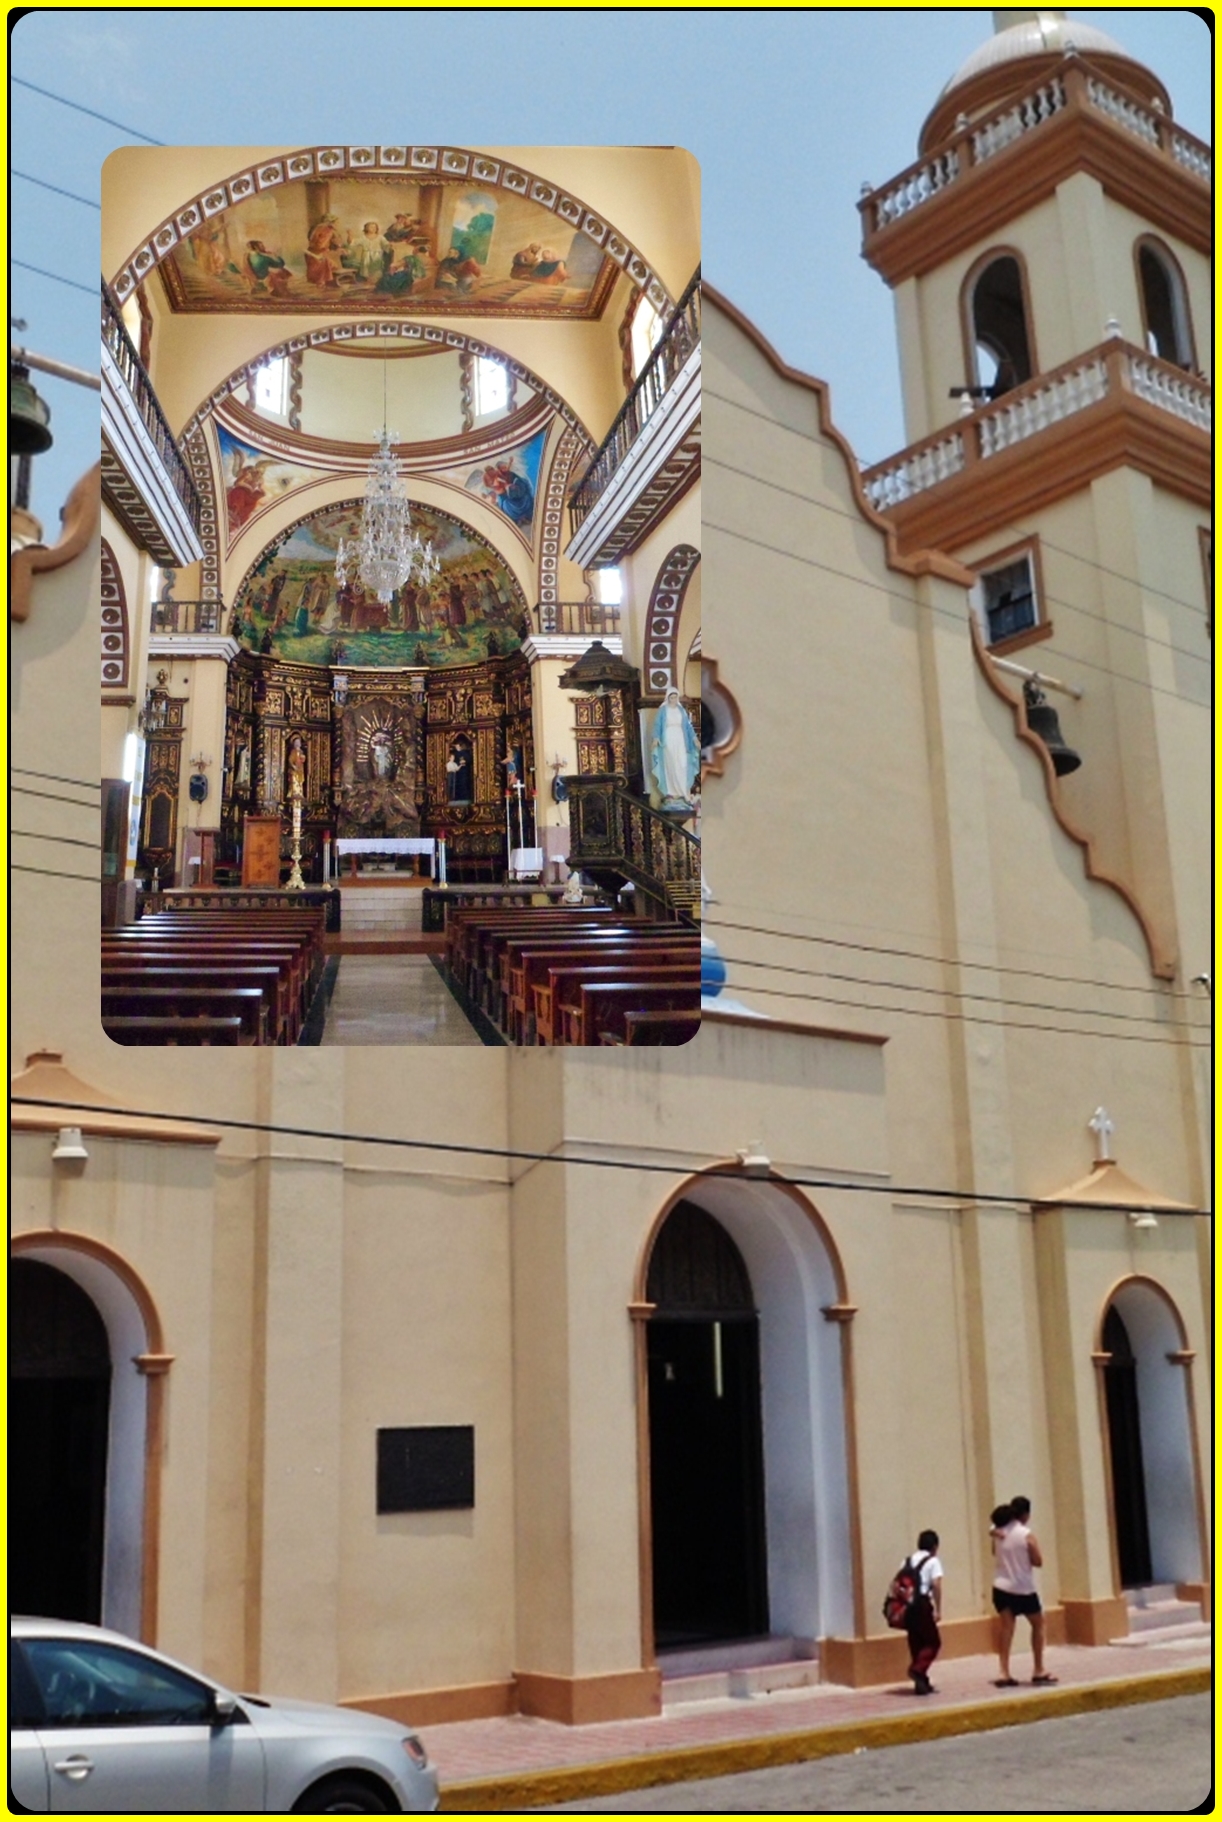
567	1784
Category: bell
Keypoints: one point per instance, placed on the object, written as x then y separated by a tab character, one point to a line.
28	415
1043	723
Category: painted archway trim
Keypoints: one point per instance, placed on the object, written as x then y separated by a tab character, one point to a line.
662	620
440	163
1163	963
1098	1351
116	638
153	1364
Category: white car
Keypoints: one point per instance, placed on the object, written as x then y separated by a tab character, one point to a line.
99	1723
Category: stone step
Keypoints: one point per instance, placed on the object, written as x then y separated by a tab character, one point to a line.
735	1654
1157	1616
1180	1633
741	1685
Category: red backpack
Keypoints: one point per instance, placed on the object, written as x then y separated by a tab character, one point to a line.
904	1589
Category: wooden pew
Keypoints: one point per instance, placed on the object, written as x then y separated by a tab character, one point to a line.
293	996
247	1003
145	971
173	1031
604	1006
550	971
655	1028
507	998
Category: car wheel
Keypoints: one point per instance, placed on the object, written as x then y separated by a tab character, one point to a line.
343	1797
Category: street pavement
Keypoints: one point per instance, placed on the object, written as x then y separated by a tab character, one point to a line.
515	1762
1146	1759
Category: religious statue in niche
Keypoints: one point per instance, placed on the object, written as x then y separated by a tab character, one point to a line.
460	777
377	792
674	756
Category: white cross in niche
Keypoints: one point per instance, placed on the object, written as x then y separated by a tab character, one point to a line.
1103	1126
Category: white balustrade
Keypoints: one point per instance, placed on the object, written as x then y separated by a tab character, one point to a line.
1038	407
1030	112
1120	109
1178	393
910	475
1192	155
915	187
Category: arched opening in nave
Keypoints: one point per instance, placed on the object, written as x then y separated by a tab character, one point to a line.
755	1259
1153	1474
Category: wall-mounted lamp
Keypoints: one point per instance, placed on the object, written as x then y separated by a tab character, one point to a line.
68	1146
1143	1217
753	1161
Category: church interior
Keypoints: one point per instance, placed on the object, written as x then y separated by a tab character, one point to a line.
694	1336
402	511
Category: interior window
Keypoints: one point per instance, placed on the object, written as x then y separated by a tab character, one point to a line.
88	1684
491	387
646	333
272	387
999	327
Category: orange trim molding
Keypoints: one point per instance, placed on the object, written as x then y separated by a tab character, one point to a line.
1163	963
82	517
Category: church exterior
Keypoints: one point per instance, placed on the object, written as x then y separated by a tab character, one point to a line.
691	1344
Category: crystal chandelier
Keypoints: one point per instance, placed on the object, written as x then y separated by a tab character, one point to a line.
388	552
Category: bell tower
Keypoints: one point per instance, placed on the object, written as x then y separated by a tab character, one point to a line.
1049	252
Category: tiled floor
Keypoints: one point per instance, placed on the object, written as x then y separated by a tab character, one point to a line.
393	999
518	1743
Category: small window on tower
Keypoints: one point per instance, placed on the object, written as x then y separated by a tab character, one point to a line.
1006	598
1001	353
491	387
1164	305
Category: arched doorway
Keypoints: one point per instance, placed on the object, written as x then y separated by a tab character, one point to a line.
705	1437
1153	1465
59	1415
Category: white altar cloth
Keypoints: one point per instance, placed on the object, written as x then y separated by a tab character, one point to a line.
386	844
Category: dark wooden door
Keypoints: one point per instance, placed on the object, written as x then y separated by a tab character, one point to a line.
1128	1468
59	1410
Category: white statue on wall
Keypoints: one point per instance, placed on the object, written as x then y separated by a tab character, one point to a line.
674	755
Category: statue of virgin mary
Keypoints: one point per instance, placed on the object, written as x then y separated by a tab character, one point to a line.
674	756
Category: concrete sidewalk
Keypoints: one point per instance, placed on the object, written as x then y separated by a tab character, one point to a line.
517	1762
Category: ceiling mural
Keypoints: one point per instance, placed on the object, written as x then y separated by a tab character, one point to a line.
510	482
253	480
382	240
290	606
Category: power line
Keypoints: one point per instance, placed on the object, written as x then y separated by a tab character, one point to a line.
81	109
56	796
25	265
938	961
87	879
951	993
1091	562
68	841
898	1191
892	594
44	185
25	771
979	1018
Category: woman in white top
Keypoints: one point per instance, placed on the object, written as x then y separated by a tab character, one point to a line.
1016	1556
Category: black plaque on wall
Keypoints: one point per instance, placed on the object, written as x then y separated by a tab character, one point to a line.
427	1469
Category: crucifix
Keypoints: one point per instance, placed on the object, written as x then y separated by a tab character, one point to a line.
1103	1126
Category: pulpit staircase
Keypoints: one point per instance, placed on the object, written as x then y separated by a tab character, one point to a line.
618	839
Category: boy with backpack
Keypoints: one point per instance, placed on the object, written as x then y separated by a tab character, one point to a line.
914	1601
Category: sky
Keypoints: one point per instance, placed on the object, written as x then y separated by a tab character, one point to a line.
788	111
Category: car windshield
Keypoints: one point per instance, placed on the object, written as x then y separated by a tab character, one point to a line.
83	1683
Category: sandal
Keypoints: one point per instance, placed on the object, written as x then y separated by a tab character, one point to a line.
1005	1682
1043	1677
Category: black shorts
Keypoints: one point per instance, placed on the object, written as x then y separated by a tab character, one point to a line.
1005	1602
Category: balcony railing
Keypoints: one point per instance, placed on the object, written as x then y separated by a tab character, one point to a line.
187	617
579	618
980	141
121	349
678	340
1108	371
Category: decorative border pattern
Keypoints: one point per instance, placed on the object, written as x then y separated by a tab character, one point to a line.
116	653
444	164
662	619
569	451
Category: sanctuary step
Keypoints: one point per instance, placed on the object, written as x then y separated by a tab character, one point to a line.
380	907
746	1668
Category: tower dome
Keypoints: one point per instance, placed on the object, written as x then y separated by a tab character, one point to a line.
1025	48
